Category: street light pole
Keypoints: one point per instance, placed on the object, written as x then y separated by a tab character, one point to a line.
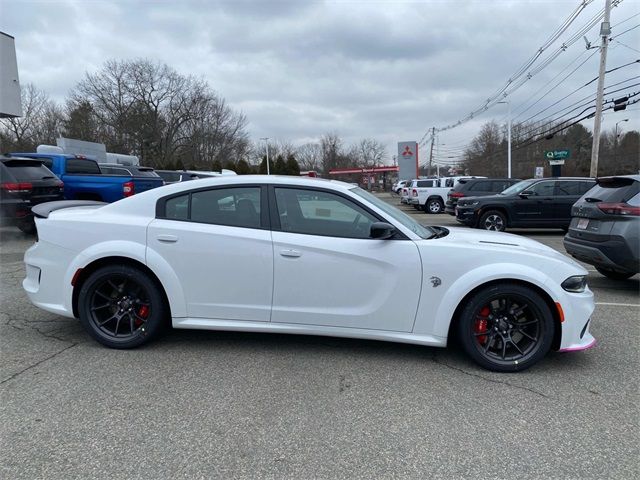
266	144
508	102
615	144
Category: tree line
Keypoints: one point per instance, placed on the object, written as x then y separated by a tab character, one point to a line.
171	121
486	154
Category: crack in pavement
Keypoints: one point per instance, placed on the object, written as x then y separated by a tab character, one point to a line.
531	390
40	362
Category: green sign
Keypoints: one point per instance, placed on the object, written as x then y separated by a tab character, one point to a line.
557	154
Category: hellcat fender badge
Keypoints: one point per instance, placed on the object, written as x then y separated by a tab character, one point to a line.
436	281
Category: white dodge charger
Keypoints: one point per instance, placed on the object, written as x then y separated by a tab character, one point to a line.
306	256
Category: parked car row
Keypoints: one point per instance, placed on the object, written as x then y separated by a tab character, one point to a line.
32	178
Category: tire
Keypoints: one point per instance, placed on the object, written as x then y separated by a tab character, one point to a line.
614	275
494	221
518	324
122	307
27	226
434	206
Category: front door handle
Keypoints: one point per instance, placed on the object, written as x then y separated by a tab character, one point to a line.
167	238
290	253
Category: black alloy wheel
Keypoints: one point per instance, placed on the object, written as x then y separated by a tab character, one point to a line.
506	328
494	221
121	306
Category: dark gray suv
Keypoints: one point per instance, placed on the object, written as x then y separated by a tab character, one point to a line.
605	227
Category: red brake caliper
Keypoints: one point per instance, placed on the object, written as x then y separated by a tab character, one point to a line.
480	325
143	312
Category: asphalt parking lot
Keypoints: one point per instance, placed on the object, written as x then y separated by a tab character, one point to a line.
217	404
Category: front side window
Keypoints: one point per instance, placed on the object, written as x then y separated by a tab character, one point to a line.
315	212
234	207
543	189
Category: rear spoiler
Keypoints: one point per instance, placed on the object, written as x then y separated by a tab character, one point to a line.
42	210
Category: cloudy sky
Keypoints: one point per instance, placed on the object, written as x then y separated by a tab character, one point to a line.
382	69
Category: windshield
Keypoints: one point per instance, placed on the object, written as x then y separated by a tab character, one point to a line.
421	230
517	188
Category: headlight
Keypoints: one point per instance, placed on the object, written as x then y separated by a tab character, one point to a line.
575	284
468	203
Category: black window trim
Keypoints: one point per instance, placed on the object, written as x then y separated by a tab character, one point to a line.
275	217
161	205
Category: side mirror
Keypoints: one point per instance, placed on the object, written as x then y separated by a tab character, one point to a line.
382	230
526	194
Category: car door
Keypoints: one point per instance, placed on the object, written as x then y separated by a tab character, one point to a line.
218	243
327	271
567	193
537	208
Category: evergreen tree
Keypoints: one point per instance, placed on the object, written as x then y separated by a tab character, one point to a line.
292	167
280	167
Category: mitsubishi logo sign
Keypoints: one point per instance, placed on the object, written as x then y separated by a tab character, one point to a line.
407	160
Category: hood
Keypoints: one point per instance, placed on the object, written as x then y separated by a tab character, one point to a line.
504	241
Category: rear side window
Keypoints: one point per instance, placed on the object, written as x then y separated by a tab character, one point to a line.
235	207
114	171
27	171
144	172
480	187
425	183
568	188
82	166
498	186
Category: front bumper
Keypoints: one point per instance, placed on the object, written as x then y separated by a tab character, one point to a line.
578	311
466	215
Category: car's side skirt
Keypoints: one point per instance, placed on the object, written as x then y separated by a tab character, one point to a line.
267	327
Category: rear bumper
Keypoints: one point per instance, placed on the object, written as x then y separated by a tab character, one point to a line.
450	208
14	211
614	254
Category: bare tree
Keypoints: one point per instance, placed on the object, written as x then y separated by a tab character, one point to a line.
368	153
40	123
309	156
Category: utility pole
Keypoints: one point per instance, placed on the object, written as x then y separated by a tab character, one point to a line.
433	139
605	31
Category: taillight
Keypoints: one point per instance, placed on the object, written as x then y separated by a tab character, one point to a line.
128	189
414	192
619	209
456	194
24	187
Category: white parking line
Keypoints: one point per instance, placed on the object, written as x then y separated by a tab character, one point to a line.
619	304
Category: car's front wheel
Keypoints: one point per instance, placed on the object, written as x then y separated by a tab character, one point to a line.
494	221
614	275
506	328
121	306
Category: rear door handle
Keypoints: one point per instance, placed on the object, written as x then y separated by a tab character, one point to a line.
290	253
167	238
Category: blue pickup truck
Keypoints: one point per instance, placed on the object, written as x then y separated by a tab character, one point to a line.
83	179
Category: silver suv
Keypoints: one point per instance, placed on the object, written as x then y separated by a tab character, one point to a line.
605	227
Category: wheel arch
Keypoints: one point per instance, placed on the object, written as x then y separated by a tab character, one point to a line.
500	209
86	272
557	326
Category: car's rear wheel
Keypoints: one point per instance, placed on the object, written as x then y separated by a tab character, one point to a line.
506	328
434	206
493	220
614	275
121	306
